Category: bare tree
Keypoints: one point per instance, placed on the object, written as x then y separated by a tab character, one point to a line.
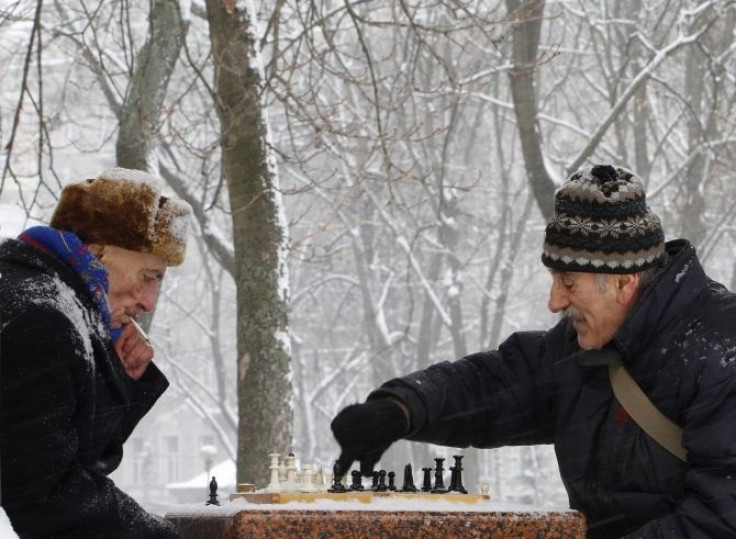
259	238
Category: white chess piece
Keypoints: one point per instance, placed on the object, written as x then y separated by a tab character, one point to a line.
274	485
291	485
328	480
485	488
282	471
319	479
307	480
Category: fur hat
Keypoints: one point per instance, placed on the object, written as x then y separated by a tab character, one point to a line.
125	208
602	224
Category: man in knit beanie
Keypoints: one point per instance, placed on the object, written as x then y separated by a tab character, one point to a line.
77	370
630	304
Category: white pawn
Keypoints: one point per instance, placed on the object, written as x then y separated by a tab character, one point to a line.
282	472
291	485
328	479
307	480
274	485
319	480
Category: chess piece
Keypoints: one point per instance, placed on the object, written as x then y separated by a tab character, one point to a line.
374	485
328	481
337	485
357	484
456	483
282	471
274	484
307	482
485	488
409	485
213	493
439	481
381	482
391	481
290	485
427	483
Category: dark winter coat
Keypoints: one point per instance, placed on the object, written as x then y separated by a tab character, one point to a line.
66	406
679	344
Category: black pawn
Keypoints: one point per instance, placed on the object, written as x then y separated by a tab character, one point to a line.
391	481
456	484
337	485
213	493
409	485
427	483
439	481
357	484
374	484
382	482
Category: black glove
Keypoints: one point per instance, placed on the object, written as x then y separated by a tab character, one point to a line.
365	431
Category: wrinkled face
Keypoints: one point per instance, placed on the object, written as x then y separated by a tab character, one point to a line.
134	279
595	304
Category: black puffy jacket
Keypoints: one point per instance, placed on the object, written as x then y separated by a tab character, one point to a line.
66	406
679	344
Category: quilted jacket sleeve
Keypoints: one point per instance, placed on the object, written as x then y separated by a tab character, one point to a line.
488	399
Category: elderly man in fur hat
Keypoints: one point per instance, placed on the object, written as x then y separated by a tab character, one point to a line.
77	375
630	304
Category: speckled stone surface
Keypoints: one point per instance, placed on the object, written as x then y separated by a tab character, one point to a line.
254	524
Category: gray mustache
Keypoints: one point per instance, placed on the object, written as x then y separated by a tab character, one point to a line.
571	315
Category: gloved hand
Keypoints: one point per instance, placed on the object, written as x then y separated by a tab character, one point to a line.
365	431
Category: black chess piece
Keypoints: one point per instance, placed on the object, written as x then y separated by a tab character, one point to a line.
439	481
427	483
456	484
391	481
382	482
213	493
409	485
374	485
357	484
337	485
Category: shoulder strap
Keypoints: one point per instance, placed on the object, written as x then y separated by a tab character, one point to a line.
642	410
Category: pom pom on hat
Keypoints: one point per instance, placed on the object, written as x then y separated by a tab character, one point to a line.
602	224
125	208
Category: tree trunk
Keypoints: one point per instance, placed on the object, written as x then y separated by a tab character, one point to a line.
527	19
259	238
144	100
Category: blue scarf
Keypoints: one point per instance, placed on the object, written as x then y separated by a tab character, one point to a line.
67	247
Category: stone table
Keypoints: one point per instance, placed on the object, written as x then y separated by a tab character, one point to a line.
384	518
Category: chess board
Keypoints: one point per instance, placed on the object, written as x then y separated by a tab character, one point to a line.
364	497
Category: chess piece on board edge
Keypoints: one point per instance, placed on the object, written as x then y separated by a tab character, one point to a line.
213	493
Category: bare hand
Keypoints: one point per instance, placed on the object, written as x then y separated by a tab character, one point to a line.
134	351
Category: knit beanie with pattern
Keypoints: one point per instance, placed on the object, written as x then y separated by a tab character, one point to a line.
602	224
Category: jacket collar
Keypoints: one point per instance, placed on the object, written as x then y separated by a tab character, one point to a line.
663	301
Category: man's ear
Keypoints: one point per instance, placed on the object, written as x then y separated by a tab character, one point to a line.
627	288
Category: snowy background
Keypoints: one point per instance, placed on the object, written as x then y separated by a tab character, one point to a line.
414	212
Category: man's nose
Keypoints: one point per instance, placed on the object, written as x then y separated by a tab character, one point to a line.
558	299
148	297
